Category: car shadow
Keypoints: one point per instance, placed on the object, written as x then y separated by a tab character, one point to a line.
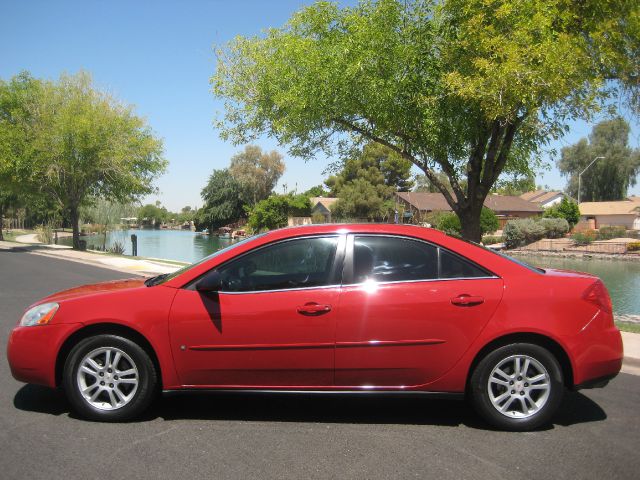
576	408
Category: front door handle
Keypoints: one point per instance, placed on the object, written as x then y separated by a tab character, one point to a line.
465	300
313	308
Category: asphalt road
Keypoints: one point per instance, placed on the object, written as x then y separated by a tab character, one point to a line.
595	435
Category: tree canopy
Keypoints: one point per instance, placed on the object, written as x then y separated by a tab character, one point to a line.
257	172
69	141
608	178
470	88
222	200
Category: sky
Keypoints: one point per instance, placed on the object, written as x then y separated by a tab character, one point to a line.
158	56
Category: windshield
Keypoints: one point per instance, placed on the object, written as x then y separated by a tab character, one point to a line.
159	279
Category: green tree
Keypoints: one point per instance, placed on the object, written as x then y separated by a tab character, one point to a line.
360	199
8	199
107	214
153	215
274	212
257	172
222	200
566	209
608	178
69	141
471	88
423	184
317	191
515	184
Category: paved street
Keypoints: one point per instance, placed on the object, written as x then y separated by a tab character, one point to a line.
595	435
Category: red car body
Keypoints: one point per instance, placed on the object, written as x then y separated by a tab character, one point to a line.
401	336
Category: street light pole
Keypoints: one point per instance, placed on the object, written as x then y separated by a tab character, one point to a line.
580	176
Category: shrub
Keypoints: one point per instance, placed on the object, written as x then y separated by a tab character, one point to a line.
449	223
566	209
317	217
520	232
45	233
554	227
117	248
488	221
491	239
633	247
607	233
584	238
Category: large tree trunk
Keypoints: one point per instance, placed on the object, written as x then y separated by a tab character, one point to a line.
75	219
470	222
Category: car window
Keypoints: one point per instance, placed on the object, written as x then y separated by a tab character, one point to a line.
296	263
390	259
452	266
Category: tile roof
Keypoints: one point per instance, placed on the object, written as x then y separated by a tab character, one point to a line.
498	203
541	196
326	202
622	207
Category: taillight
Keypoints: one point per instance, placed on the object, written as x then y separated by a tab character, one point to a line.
598	295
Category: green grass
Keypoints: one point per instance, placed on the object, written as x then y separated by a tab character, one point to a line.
628	327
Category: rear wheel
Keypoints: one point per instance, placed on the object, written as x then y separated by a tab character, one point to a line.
109	378
517	387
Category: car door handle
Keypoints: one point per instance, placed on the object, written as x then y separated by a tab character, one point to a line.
465	300
313	308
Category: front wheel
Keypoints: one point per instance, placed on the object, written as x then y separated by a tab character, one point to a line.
517	387
109	378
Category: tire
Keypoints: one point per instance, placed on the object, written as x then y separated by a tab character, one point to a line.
117	375
517	401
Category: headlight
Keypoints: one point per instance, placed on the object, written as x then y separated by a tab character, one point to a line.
39	315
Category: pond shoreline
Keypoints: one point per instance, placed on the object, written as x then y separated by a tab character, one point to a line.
576	255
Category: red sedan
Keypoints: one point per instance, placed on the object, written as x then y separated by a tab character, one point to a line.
355	308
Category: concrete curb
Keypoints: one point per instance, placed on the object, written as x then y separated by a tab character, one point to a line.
631	362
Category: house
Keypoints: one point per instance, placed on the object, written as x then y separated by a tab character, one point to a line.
623	213
543	198
417	205
322	205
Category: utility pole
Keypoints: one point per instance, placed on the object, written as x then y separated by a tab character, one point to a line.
580	175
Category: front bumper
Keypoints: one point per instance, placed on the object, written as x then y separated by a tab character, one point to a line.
32	352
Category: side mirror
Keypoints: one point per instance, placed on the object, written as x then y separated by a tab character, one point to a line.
212	282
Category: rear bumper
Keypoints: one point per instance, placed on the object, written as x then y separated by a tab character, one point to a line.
597	356
596	382
32	352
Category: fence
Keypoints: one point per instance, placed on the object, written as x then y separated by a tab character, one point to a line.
567	245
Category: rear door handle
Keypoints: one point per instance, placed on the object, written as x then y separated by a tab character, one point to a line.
313	308
465	300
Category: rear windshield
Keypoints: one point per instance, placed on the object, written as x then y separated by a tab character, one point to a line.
517	261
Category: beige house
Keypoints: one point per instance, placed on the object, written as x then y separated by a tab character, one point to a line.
322	205
506	207
623	213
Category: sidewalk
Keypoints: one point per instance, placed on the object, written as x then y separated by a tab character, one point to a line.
631	363
136	266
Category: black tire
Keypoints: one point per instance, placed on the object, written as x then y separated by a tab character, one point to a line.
131	398
536	408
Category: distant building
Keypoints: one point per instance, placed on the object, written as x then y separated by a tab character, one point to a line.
543	198
506	207
322	205
623	213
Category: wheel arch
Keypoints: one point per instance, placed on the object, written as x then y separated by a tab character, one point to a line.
104	329
524	337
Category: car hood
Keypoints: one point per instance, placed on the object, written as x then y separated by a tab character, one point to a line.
93	289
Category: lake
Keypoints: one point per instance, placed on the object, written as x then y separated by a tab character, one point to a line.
621	278
182	245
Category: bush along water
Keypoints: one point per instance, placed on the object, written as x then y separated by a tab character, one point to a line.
521	232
